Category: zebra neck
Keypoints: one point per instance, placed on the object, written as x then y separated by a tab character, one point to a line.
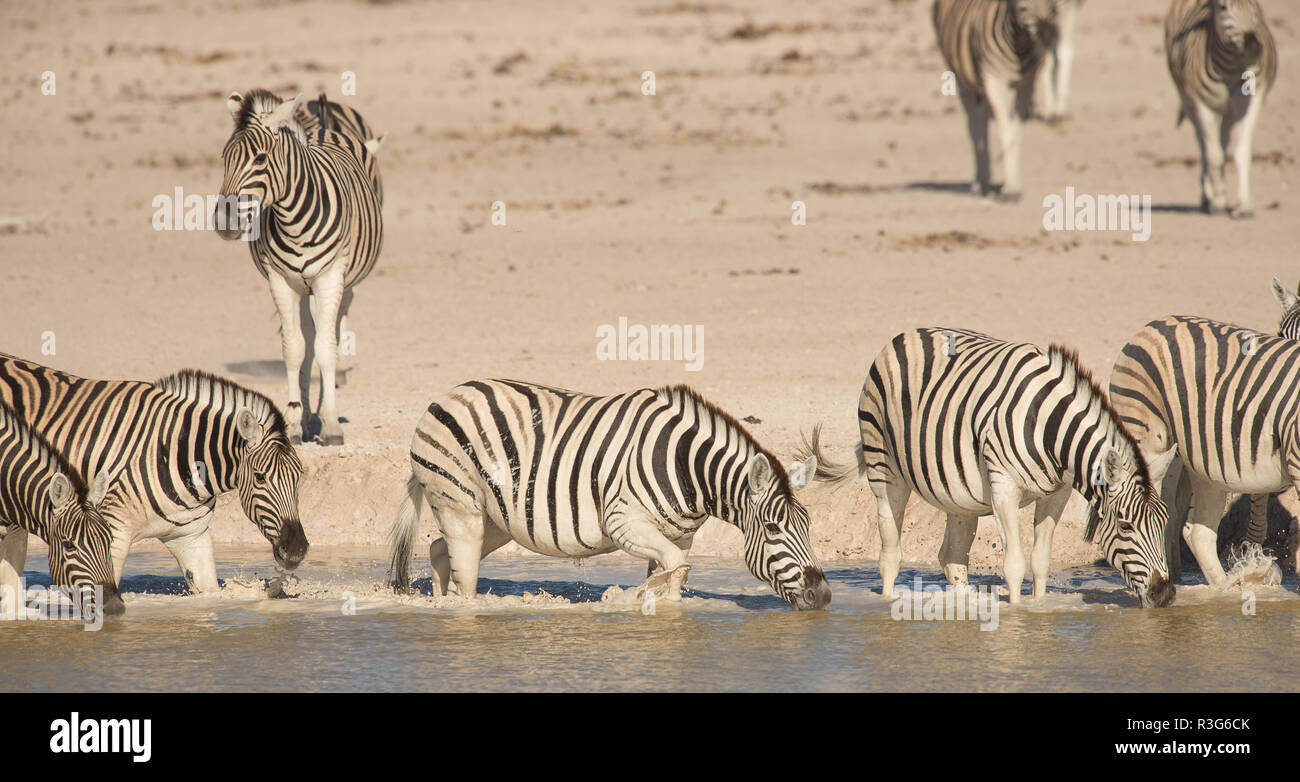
303	193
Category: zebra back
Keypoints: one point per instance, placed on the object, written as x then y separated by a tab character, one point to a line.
322	115
1003	37
1206	66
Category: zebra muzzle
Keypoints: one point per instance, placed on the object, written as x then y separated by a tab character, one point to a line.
292	546
113	603
1159	593
816	591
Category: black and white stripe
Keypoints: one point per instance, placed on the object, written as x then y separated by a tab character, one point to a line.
320	230
569	474
325	114
1229	399
42	494
1211	45
975	426
171	447
995	49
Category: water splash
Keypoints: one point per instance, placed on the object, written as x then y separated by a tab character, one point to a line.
1248	563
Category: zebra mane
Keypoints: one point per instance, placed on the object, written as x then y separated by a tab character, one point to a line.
10	419
200	386
680	395
256	104
1065	360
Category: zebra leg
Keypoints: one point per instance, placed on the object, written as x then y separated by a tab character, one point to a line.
1241	155
1214	197
346	339
294	348
634	531
1202	531
455	556
977	125
13	555
683	543
1006	509
1003	99
1176	490
1047	512
1063	59
1258	529
954	552
191	544
328	289
891	502
440	564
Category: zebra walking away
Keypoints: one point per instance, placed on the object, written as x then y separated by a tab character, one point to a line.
172	447
1228	399
977	425
41	493
995	49
319	235
1223	62
572	475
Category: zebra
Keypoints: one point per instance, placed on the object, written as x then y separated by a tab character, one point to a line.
1289	327
1223	63
1228	399
976	425
319	235
41	493
173	446
573	475
1054	76
995	49
323	114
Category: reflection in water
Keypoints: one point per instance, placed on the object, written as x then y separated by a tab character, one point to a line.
544	624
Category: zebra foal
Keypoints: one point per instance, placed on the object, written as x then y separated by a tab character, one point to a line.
976	425
572	475
42	494
1228	399
320	227
995	49
1223	62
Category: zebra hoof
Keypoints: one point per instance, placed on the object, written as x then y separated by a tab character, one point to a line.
1212	208
1005	197
1242	214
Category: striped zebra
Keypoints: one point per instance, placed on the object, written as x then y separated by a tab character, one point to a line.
995	49
324	114
171	448
41	493
319	235
1228	399
1223	62
977	425
1053	88
572	475
1289	327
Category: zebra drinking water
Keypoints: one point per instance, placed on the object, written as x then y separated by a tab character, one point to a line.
173	447
41	493
320	229
572	475
977	425
995	49
1223	63
1229	399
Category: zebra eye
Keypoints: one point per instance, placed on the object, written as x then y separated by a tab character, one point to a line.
259	159
772	528
260	478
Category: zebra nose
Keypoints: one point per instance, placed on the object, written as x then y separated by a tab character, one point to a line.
113	604
1160	592
816	590
292	547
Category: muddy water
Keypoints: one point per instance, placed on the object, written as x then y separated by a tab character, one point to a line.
541	624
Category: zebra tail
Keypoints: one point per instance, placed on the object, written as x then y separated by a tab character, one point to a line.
402	537
828	471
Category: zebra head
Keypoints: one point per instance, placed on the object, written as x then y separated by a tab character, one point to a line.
266	476
80	540
1235	20
1289	328
775	525
1034	16
259	152
1128	519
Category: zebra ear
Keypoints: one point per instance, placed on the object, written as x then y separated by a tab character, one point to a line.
1158	466
248	426
234	103
1284	297
802	473
60	491
98	489
373	145
760	474
1114	466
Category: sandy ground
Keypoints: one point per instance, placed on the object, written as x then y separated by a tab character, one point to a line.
666	209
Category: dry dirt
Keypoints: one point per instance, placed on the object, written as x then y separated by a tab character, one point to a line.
666	209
